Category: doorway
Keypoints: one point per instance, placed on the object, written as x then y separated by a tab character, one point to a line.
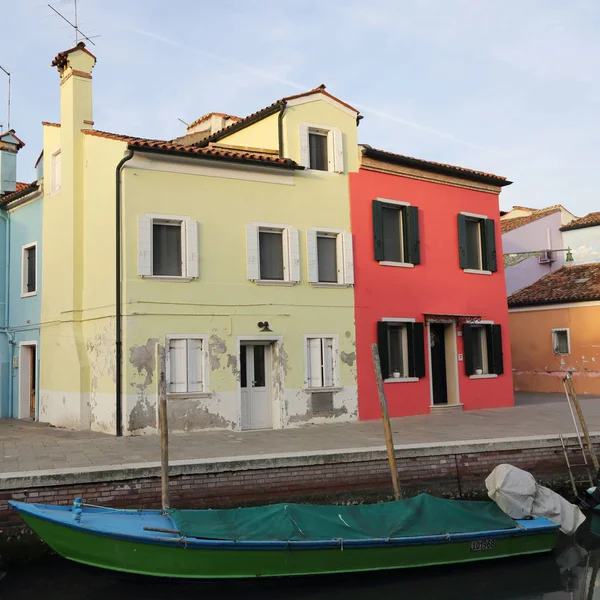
255	378
437	345
443	364
27	380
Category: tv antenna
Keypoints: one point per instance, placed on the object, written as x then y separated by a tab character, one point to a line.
8	121
75	25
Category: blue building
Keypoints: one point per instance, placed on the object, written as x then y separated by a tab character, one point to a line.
20	284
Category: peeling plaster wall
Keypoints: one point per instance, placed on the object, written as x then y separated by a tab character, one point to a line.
219	407
536	367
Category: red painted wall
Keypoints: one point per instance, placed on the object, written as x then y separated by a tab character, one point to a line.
437	286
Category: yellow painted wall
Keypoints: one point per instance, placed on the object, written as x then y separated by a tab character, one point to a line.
321	112
77	351
537	368
263	134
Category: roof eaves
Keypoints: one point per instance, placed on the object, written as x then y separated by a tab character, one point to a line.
201	153
9	198
433	167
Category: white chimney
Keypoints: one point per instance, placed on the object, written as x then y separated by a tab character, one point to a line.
10	144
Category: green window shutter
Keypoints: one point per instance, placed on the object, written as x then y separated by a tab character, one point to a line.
490	246
378	230
467	331
382	343
416	350
462	242
494	344
413	245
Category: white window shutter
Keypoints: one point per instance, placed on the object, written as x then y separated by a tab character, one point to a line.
348	259
191	231
194	361
294	254
312	256
177	366
314	365
338	151
328	378
144	246
304	148
252	256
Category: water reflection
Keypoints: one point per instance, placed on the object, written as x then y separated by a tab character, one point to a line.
568	574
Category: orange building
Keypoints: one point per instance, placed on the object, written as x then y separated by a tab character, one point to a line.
555	329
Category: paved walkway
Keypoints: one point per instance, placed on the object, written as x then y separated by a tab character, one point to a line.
28	446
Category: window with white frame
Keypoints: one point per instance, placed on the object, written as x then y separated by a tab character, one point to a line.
396	232
272	253
483	349
56	172
401	348
321	148
561	342
321	363
29	270
476	243
185	366
167	247
329	256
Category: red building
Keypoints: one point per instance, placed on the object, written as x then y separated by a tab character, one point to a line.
430	287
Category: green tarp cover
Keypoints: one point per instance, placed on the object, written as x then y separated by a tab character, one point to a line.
419	516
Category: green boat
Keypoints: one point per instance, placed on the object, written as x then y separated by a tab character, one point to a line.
286	539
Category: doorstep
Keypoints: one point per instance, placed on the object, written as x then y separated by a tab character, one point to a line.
445	409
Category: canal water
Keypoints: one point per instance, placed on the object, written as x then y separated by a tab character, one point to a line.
570	573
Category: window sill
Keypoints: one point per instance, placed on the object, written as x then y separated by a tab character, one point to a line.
167	278
391	263
187	395
484	376
322	284
320	172
477	271
323	390
401	380
275	282
29	294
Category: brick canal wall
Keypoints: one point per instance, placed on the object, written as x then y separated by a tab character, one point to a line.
360	474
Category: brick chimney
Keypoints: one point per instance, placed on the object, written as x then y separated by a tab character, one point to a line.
10	144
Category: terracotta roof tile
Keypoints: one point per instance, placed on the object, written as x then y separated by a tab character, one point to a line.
22	190
509	224
577	283
47	124
428	164
214	152
589	220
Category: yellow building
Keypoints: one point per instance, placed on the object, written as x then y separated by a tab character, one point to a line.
229	247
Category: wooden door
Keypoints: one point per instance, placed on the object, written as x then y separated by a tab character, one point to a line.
32	381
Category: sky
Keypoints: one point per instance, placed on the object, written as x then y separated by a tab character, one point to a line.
510	87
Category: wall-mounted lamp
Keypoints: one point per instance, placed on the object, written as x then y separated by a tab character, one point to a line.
264	326
569	255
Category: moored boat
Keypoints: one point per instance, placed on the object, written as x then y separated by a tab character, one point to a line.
286	539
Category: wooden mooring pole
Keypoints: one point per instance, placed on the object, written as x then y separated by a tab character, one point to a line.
164	431
389	442
568	381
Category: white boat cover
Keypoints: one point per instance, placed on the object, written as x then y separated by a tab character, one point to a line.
516	492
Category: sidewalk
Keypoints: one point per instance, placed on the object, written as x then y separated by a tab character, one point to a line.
28	446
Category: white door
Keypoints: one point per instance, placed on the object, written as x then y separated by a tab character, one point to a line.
255	360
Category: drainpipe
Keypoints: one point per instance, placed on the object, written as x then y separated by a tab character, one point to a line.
280	127
4	328
118	336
